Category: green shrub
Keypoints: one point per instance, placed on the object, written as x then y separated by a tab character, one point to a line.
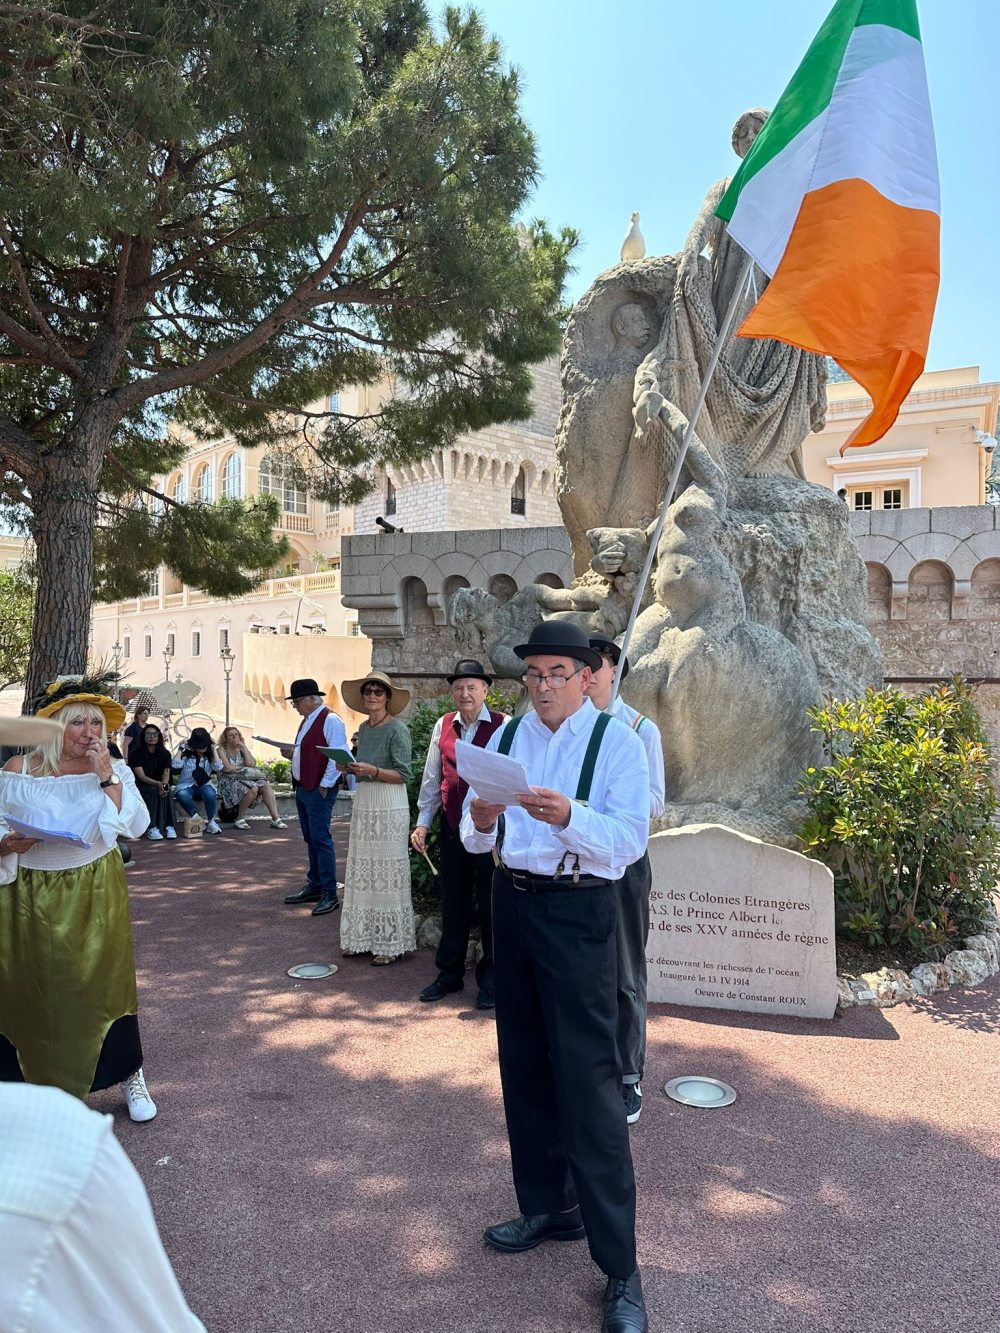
278	770
421	726
903	814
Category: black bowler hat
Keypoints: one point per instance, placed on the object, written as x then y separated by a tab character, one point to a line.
600	641
469	669
302	689
554	638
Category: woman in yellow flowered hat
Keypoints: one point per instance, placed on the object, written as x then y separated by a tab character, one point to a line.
68	1006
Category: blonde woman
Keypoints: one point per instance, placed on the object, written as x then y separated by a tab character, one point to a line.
241	782
68	1006
378	908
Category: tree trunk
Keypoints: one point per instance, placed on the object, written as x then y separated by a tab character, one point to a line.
64	512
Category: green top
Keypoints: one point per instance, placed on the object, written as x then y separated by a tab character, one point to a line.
387	746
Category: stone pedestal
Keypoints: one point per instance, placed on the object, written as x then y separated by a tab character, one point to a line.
736	923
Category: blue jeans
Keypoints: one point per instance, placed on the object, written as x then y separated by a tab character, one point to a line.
314	813
186	796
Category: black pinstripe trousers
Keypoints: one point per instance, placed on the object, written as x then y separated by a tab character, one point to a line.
556	980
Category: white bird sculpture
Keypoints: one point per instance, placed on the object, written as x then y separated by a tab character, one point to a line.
633	246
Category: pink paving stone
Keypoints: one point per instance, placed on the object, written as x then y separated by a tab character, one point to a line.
335	1148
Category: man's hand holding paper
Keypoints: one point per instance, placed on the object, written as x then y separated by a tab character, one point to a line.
495	778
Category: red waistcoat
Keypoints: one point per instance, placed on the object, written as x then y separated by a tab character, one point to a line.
312	764
453	789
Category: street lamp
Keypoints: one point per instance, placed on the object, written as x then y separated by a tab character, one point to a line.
168	654
228	657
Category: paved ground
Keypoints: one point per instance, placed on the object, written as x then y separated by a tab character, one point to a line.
327	1153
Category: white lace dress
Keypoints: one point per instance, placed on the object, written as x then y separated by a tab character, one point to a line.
377	915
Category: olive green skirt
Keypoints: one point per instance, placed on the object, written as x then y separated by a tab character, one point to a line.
67	974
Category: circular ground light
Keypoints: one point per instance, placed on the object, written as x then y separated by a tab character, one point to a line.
697	1091
312	971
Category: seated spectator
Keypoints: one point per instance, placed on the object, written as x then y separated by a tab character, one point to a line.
149	760
194	763
242	783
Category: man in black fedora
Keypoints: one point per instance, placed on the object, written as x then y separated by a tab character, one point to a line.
466	877
315	778
562	851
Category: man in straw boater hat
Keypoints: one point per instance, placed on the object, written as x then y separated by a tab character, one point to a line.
466	877
633	895
315	778
561	853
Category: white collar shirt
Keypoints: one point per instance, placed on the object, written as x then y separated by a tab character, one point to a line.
80	1247
334	736
429	800
649	733
608	833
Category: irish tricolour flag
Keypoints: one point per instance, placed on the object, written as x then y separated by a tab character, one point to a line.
838	203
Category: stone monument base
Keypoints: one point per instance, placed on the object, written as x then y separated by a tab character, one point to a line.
736	923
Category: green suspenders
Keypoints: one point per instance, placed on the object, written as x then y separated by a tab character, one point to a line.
589	759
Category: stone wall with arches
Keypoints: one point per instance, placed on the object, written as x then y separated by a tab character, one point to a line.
401	585
934	595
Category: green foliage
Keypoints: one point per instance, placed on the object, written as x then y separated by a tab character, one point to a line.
421	726
277	770
222	211
903	814
17	598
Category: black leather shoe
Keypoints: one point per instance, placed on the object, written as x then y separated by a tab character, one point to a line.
486	999
624	1308
328	903
525	1232
444	985
307	894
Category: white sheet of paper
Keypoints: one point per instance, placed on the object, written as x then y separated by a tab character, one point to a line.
26	830
496	778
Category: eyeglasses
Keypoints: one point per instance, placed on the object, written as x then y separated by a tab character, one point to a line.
535	681
373	689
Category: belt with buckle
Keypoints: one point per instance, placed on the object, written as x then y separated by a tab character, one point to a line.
526	882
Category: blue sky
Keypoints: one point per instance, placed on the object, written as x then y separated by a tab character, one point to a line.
633	103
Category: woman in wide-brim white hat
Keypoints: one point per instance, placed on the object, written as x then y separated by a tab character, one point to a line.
378	909
68	1003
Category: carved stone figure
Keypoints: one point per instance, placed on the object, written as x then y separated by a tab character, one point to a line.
756	606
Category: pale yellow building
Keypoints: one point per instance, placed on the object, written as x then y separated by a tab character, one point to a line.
932	457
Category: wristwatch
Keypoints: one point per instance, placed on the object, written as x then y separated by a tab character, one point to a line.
113	781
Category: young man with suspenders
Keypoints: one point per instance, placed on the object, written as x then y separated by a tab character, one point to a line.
633	897
555	913
466	879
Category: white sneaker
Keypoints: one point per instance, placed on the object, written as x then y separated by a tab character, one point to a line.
171	833
278	823
140	1105
212	827
154	835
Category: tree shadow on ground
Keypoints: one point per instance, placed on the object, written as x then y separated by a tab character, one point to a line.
974	1009
327	1154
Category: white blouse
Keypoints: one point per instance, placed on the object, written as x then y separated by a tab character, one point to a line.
74	803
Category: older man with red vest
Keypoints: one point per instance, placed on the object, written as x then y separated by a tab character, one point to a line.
315	777
466	878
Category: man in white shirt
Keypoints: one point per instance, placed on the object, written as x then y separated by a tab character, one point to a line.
633	897
466	879
555	912
79	1245
315	777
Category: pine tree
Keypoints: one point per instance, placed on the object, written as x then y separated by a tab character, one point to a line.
219	211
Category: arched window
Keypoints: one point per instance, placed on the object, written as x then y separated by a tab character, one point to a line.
231	478
203	484
518	492
180	490
278	476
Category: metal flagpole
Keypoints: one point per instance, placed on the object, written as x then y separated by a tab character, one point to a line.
723	334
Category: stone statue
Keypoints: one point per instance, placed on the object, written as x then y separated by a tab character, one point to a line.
756	606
